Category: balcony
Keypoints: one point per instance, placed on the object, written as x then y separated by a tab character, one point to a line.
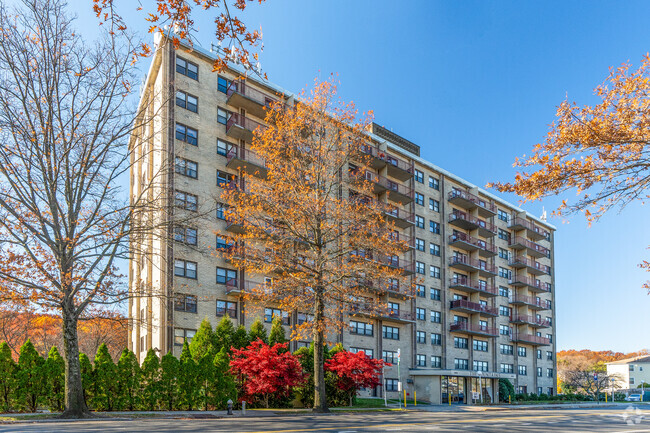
400	217
398	168
532	249
535	322
472	286
246	160
247	286
533	284
469	243
401	237
241	95
359	176
466	264
361	309
468	222
532	266
397	193
469	201
241	128
233	286
531	302
535	340
473	329
473	307
407	267
235	226
533	231
377	157
392	289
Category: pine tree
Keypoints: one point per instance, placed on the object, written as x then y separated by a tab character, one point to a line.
55	377
224	334
150	380
7	377
128	381
86	368
257	331
187	379
30	375
203	341
168	388
223	386
277	334
239	339
104	371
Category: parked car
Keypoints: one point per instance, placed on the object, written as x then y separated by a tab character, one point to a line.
633	397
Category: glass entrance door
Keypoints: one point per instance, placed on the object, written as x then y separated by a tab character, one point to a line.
453	388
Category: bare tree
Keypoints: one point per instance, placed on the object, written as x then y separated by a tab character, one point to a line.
590	378
65	119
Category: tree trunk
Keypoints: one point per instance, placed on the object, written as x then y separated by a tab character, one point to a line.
75	403
320	396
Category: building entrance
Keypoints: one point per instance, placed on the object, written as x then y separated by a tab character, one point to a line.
453	389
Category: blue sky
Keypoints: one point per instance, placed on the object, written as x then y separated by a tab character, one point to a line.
475	84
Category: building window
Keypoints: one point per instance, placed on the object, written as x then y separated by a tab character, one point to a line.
420	360
436	361
389	357
522	389
419	244
435	316
419	222
222	84
434	227
420	313
434	249
420	290
223	148
549	391
419	268
479	345
505	273
185	100
460	343
539	371
419	199
186	68
434	294
187	134
180	335
224	178
503	215
227	307
461	364
185	235
185	303
631	381
549	372
504	234
419	176
504	330
186	201
227	277
221	211
368	352
271	313
434	183
390	332
186	167
539	390
505	311
222	116
504	254
480	365
361	328
434	271
506	349
184	268
522	370
504	291
436	339
550	337
549	355
506	368
421	337
391	385
434	205
521	351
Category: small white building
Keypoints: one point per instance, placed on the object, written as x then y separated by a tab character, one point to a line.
630	372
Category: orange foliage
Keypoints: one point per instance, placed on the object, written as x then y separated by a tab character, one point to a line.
598	356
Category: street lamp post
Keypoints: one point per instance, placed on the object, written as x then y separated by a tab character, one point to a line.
642	388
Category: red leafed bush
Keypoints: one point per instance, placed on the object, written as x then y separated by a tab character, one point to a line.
355	371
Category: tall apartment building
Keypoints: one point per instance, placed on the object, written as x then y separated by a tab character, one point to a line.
484	307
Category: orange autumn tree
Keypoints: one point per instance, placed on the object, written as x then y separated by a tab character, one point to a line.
601	152
308	219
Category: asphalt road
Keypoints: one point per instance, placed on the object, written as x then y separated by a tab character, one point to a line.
620	419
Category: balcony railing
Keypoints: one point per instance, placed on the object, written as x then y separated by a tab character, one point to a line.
532	283
533	248
529	338
378	158
462	304
246	159
468	222
242	127
398	168
408	218
530	320
389	314
240	94
390	288
470	201
531	301
396	262
533	265
464	283
533	229
471	243
471	328
464	262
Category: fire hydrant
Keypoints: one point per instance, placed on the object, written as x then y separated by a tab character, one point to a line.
229	402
